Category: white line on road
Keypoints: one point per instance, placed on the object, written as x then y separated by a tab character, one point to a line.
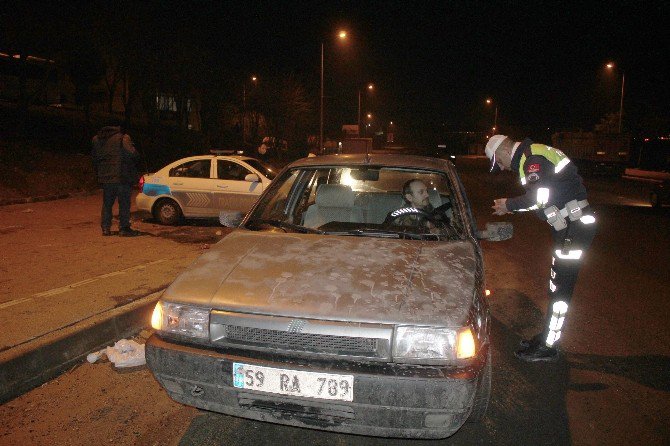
66	288
14	302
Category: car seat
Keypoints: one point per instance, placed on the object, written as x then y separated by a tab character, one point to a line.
334	202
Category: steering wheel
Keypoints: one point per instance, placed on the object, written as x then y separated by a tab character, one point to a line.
398	213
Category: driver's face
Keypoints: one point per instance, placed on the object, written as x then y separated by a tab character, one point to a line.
419	196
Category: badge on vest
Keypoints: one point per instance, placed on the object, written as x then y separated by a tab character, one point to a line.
533	168
533	177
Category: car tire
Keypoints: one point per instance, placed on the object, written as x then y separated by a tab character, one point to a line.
655	200
483	393
167	212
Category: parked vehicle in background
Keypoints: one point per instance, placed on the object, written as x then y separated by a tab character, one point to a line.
202	186
593	152
336	306
652	166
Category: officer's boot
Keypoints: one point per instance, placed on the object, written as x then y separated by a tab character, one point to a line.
537	350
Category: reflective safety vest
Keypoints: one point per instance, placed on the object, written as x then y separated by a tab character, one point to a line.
555	156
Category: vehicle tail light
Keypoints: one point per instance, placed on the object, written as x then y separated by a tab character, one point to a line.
141	184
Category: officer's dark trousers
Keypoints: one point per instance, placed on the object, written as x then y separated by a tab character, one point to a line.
568	252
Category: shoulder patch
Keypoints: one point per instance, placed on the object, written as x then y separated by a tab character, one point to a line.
533	177
533	168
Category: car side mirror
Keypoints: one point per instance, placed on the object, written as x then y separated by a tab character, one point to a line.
496	231
252	178
231	219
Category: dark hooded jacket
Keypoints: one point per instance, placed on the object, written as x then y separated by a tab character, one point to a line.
114	156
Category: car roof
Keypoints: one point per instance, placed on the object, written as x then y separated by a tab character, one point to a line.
386	160
200	157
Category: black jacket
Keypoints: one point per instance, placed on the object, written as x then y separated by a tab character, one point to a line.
539	172
114	156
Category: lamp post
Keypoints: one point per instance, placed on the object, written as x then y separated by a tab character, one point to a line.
489	101
342	35
244	108
370	87
610	66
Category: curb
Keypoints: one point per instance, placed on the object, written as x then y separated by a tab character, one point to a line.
29	365
25	200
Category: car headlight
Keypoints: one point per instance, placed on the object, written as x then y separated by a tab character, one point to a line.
184	320
430	345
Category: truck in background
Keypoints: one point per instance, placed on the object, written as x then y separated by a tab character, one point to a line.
594	152
652	166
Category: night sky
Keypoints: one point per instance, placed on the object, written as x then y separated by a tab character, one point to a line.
434	63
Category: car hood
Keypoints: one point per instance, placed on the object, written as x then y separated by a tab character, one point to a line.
342	278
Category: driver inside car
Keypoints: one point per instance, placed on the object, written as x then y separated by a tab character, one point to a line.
415	194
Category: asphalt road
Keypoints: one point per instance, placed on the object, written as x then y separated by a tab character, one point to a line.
610	386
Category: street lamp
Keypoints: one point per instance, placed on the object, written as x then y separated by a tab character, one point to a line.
370	87
489	101
342	35
244	108
367	124
610	66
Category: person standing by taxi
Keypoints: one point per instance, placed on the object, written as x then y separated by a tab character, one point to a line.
554	189
114	158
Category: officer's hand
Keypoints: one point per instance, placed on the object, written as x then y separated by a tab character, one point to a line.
500	206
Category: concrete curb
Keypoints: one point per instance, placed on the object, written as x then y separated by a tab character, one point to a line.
28	365
25	200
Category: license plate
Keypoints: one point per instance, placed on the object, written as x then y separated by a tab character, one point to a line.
293	382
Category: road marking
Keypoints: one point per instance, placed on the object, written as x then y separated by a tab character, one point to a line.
71	286
65	288
14	302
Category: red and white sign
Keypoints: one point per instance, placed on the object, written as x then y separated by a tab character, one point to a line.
533	168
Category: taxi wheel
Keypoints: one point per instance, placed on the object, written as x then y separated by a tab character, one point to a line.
167	212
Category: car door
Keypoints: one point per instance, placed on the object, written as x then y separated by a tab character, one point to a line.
232	191
191	184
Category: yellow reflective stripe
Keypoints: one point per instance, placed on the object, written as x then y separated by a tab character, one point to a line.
542	196
555	156
561	164
588	219
559	309
552	337
574	254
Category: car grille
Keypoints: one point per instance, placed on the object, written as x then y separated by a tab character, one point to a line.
309	342
301	336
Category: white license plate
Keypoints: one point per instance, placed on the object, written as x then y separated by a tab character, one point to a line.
293	382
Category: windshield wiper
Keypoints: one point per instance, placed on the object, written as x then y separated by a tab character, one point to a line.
286	225
369	233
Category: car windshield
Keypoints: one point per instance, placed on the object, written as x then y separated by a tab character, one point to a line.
361	201
267	170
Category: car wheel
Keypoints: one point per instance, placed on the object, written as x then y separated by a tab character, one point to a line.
483	392
655	200
167	212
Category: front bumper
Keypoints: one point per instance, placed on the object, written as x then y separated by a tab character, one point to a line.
390	401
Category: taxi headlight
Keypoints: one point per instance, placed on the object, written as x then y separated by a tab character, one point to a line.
184	320
431	345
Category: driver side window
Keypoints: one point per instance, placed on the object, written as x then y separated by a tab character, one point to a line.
228	170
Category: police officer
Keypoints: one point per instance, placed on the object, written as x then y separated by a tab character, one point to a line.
555	191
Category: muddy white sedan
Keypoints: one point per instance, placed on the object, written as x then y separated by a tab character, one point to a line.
202	186
338	304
